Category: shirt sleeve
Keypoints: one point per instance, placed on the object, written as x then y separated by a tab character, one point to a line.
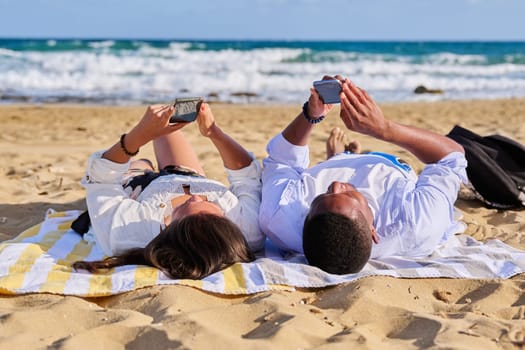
284	153
421	215
246	185
283	166
119	222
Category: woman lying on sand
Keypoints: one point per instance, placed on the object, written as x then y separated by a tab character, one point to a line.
178	221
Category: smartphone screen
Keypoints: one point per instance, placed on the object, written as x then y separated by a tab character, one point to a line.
329	90
186	109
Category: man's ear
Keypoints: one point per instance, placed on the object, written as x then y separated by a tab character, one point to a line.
375	237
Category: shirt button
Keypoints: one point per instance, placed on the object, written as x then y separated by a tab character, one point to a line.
162	205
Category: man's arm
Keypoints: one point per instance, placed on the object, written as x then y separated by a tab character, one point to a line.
361	114
299	130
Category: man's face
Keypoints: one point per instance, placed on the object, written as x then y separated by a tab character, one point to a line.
344	199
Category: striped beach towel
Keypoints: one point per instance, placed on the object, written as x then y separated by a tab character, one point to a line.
39	261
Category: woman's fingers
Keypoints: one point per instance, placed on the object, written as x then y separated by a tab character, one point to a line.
159	112
176	126
157	108
205	120
167	111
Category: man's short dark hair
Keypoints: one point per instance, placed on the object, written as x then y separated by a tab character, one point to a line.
336	243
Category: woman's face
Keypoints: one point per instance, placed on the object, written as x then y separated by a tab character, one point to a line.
194	204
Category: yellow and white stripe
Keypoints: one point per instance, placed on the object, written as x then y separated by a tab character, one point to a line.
39	261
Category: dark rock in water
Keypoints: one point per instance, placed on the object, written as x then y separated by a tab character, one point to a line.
243	94
213	95
424	90
14	98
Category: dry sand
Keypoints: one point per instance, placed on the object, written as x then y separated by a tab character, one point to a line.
43	150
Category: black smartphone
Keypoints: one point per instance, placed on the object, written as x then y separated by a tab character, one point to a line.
186	109
329	90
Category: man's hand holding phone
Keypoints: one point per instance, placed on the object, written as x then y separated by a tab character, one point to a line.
328	89
323	94
360	113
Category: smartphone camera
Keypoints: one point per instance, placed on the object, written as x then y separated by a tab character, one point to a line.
329	90
186	109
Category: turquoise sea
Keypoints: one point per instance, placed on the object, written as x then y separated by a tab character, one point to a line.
148	71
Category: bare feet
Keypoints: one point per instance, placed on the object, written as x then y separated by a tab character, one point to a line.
353	147
336	143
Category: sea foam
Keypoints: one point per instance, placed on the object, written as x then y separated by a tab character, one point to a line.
113	71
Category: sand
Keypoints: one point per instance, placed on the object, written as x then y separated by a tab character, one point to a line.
43	150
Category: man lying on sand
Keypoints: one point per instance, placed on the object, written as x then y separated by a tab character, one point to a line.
351	207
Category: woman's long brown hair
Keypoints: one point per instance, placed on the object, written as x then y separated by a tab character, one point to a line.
193	248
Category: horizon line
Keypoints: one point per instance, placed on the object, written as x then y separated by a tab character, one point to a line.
253	39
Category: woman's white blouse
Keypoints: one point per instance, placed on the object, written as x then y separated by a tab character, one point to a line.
120	223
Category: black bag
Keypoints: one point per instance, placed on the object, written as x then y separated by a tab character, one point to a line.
496	167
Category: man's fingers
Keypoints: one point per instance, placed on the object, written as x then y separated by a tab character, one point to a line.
357	92
328	77
347	110
351	96
315	95
366	95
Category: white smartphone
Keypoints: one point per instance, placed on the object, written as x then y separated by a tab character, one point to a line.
329	90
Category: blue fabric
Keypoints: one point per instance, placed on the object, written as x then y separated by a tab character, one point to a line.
395	160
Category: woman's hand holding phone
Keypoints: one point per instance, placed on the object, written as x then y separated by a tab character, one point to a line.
186	109
155	123
206	120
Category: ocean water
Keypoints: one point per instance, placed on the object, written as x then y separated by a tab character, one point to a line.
153	71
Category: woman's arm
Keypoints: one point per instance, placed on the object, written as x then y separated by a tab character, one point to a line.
119	222
246	185
233	155
154	123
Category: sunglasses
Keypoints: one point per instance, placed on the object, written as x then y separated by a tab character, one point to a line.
175	202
